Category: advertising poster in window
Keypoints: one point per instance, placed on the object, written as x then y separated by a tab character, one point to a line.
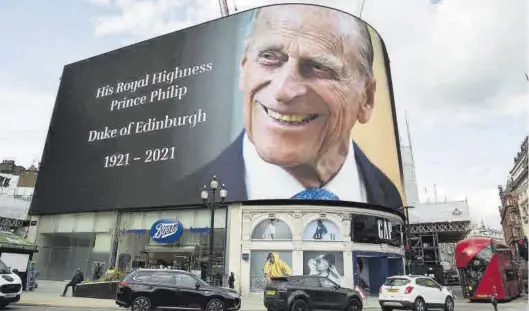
326	264
322	230
267	264
362	268
272	229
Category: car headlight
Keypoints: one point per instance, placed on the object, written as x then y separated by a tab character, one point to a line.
233	295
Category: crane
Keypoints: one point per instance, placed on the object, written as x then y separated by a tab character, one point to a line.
224	10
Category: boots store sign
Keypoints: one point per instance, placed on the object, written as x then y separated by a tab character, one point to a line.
166	231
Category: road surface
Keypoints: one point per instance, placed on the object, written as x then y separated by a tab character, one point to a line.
503	307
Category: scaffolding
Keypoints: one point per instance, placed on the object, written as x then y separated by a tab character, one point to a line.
429	245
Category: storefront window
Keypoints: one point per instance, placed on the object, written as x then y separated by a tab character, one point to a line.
267	264
191	252
272	229
325	264
61	254
322	230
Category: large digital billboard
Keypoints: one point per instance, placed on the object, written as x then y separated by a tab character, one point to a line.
287	101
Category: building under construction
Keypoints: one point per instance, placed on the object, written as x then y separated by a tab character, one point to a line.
433	231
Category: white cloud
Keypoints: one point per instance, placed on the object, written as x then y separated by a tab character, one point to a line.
136	20
458	70
350	6
24	119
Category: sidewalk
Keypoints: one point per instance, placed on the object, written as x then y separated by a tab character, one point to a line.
48	294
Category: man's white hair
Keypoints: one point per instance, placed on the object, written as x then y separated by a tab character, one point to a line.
365	46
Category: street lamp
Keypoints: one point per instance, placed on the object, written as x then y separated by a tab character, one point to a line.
212	205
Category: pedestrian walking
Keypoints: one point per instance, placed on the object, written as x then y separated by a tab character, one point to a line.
231	280
494	299
98	272
78	277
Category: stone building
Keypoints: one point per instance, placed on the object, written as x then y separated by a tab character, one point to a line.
514	205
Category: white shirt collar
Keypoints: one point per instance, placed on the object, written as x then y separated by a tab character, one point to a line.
268	181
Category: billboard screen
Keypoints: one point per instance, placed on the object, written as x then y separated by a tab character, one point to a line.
273	101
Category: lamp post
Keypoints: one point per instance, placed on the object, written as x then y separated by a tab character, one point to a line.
407	237
212	205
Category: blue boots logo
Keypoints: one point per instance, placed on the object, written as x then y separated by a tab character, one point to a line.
166	231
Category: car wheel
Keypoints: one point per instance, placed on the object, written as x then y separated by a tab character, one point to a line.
215	305
300	305
419	305
449	304
141	304
355	305
387	309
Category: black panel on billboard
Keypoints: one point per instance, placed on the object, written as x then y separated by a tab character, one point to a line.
147	125
373	229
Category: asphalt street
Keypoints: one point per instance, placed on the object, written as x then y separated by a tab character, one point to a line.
15	307
479	307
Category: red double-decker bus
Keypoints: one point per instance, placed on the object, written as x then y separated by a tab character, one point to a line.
486	268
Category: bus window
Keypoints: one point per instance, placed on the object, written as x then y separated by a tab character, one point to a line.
511	276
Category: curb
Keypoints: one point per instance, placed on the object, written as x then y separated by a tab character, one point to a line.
50	305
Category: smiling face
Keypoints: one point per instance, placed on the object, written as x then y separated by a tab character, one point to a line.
304	89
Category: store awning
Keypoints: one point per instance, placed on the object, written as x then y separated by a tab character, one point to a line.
9	240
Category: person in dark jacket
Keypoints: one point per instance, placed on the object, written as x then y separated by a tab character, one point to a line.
98	272
78	277
231	280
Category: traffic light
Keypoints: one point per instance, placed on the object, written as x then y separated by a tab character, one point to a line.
522	248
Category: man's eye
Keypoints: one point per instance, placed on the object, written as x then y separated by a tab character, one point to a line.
322	71
269	58
317	70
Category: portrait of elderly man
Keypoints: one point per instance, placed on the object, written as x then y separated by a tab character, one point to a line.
307	79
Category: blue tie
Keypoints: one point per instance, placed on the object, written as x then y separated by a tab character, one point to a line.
315	194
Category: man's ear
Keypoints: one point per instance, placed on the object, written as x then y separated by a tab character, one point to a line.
368	103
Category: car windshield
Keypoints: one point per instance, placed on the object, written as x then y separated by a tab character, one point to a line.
3	268
396	282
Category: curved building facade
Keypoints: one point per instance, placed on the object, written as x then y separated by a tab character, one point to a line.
345	243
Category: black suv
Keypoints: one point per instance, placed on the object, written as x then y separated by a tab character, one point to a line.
149	289
303	293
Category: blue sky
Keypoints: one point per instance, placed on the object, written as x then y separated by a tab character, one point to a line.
458	70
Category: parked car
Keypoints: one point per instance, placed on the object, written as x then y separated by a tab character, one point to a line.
415	292
304	293
10	286
149	289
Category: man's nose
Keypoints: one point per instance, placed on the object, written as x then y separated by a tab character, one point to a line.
288	83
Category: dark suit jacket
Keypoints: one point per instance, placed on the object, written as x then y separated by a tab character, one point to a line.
230	170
